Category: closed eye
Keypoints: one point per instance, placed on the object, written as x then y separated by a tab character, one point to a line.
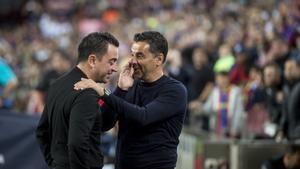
112	61
138	55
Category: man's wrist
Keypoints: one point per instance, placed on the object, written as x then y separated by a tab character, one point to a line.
123	88
106	92
99	89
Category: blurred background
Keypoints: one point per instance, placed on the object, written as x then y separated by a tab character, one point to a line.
239	60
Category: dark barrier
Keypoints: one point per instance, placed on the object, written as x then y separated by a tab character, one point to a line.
18	146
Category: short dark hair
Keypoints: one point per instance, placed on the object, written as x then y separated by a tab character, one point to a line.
95	43
223	73
273	65
158	43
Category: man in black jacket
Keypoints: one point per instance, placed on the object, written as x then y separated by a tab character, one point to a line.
150	109
70	127
290	122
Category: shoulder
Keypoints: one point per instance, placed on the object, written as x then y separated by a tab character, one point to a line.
171	81
171	84
88	98
88	94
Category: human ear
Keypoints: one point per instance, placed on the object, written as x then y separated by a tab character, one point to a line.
92	60
159	59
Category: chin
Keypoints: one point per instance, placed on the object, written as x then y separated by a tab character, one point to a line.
137	76
105	80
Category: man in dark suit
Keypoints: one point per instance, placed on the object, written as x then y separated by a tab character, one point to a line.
70	127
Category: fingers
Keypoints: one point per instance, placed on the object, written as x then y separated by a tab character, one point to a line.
84	84
128	70
79	86
131	71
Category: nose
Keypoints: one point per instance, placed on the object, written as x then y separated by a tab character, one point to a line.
133	61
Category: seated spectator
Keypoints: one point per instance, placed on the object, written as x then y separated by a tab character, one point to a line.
203	76
290	123
225	107
174	67
226	59
257	114
239	71
199	88
274	97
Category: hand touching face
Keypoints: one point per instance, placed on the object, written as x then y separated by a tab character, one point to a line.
126	76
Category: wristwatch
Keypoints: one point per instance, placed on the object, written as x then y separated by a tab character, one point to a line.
107	92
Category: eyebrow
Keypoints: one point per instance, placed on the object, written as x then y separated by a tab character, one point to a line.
138	53
113	59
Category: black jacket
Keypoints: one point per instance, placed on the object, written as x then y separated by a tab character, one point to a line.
293	115
70	127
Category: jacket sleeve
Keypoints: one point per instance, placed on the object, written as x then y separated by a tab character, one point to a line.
44	137
109	117
120	93
82	118
170	101
293	117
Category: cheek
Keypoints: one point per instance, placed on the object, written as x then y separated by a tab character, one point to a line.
149	65
100	70
103	67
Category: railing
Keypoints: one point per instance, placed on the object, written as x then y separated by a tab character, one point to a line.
194	152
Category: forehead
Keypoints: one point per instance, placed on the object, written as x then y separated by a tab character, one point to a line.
140	47
112	52
270	71
290	63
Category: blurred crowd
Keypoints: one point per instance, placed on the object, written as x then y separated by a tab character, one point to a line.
239	59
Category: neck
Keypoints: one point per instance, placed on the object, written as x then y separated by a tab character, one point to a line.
224	88
84	69
154	76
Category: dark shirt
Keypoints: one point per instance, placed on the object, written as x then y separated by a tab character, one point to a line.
200	78
238	74
150	122
293	115
274	107
70	126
